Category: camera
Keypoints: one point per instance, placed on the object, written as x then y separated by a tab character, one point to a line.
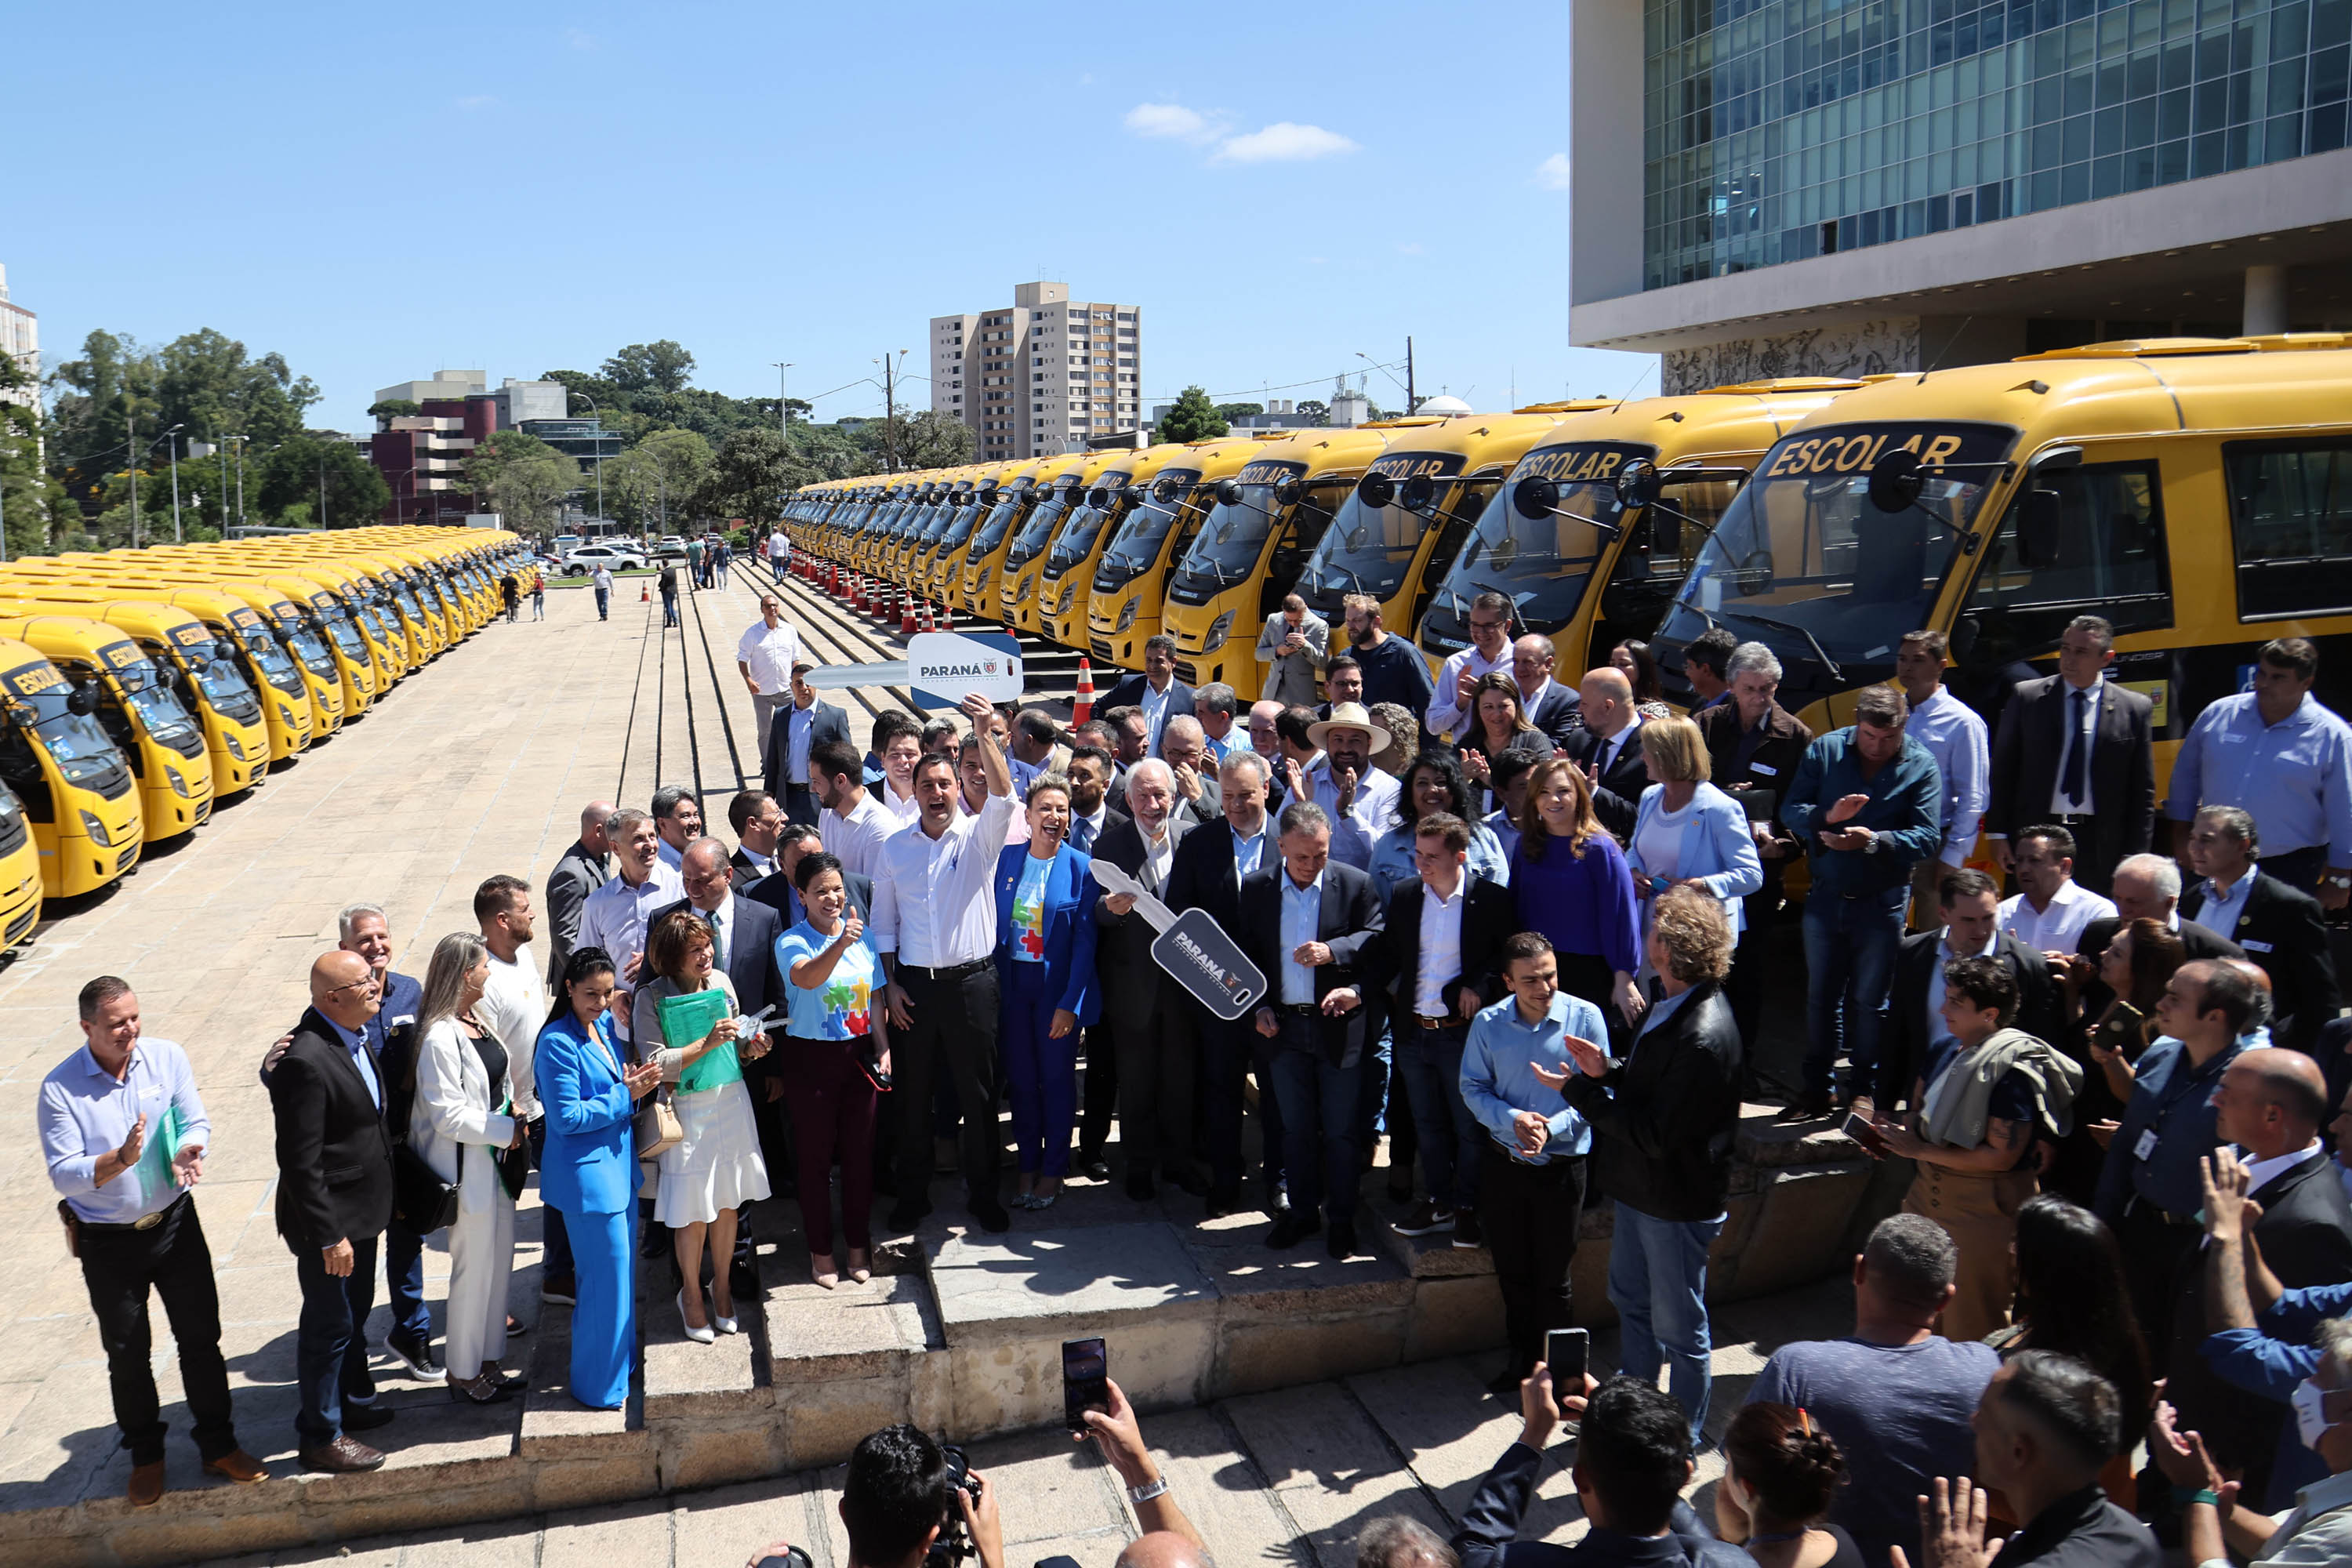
954	1543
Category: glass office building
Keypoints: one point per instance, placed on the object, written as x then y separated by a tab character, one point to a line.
1775	130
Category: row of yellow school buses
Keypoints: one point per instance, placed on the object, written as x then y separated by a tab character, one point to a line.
139	686
2197	492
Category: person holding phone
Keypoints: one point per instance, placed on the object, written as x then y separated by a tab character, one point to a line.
836	1042
588	1169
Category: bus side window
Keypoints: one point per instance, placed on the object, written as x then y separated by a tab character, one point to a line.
2291	518
1468	507
1656	556
2108	558
22	769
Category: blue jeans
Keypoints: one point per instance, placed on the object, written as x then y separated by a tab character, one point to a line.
1041	1071
669	611
1657	1283
604	603
330	1356
1850	946
1450	1137
404	1280
1318	1108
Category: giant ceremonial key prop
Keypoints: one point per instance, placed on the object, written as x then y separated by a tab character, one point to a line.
1193	949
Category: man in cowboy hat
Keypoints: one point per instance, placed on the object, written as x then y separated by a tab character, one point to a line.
1360	799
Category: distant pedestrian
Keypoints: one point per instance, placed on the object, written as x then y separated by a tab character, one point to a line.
538	595
724	558
510	590
765	654
669	597
603	578
694	562
779	553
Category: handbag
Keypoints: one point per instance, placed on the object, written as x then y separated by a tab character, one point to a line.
658	1128
424	1202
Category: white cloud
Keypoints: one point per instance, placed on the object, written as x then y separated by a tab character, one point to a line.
1283	142
1553	174
1172	121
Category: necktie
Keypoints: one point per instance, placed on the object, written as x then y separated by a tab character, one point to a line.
718	941
1082	835
2073	784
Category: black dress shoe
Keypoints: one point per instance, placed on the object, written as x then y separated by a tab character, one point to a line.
1341	1238
1139	1188
1221	1204
365	1417
1094	1167
1185	1180
990	1215
1290	1231
907	1216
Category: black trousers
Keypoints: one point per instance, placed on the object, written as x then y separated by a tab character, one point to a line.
1156	1059
1229	1054
800	804
1101	1091
953	1038
2155	1254
121	1267
1530	1215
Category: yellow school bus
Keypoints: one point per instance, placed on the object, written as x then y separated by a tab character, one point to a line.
973	588
1578	565
1067	576
79	797
272	671
2189	491
1265	522
1059	493
134	705
1130	581
943	581
1399	530
20	865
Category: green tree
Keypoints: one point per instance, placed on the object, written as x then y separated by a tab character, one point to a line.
1192	417
657	478
932	439
30	501
393	409
748	477
524	477
1234	412
662	366
827	452
1312	411
295	471
203	382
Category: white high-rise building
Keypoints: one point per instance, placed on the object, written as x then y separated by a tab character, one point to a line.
20	340
1041	377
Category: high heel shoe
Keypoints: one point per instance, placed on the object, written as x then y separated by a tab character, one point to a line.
701	1336
860	1272
479	1390
821	1270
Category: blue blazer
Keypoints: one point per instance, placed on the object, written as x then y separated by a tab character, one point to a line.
590	1163
1716	848
1070	895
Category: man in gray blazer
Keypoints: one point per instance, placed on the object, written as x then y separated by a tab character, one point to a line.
1293	647
582	870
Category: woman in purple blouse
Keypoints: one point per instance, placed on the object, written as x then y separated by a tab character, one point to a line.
1577	890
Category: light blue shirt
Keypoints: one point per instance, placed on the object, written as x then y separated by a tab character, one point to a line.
2220	913
2293	777
840	1009
1302	917
1497	1081
84	1112
1249	854
1155	712
1222	747
799	726
1354	832
355	1042
1498	823
1956	737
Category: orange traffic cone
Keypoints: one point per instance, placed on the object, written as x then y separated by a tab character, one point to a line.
645	591
1082	708
907	625
925	623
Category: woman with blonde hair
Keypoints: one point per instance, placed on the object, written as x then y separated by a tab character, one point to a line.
1686	832
463	1124
1571	883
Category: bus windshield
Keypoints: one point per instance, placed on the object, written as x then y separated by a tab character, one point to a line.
269	660
347	637
1367	549
1038	530
958	528
1803	562
1077	541
999	523
1136	547
1543	563
36	697
149	695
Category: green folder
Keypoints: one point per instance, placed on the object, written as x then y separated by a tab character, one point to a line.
686	1019
156	1179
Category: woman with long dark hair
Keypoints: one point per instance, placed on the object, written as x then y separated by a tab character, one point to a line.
1433	782
1640	665
2138	962
2072	1298
1497	723
1572	884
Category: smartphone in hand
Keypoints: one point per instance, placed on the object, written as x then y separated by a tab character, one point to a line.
1086	1380
1565	1353
1859	1127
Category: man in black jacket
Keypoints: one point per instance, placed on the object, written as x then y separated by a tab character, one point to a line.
1149	1019
2074	749
1915	1016
1440	958
1662	1123
1755	746
2280	927
2146	887
1307	923
334	1197
1609	750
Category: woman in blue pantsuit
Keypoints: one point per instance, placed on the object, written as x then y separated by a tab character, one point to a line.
1045	971
589	1171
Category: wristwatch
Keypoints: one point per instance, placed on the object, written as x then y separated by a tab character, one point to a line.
2336	879
1152	1489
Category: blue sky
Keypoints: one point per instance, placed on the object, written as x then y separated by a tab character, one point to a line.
378	192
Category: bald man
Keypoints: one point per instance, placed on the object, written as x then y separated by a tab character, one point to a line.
1609	749
582	870
334	1199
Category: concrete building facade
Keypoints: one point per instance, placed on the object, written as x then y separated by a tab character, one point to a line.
20	340
1834	188
1043	376
422	456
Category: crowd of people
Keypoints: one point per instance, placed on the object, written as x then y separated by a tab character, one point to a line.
1520	929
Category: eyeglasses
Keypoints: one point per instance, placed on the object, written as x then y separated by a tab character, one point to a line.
1479	626
339	989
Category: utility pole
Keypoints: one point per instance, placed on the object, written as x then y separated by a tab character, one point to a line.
889	416
221	448
178	536
1410	401
323	487
240	441
783	409
131	424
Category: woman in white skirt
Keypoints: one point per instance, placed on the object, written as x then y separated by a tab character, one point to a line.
715	1168
462	1124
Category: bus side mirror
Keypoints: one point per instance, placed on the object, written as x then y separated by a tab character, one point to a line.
1418	493
1288	489
2038	514
1165	491
1376	489
1897	480
1098	498
82	700
1637	483
1229	493
1535	500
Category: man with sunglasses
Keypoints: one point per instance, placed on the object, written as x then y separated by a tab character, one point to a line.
1458	677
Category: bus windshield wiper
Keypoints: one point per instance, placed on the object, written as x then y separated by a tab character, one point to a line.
1819	652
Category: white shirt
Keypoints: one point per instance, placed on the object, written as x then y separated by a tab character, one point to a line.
1354	833
905	808
779	547
2259	1171
2060	927
2087	739
1159	853
603	579
761	865
857	838
934	905
1956	737
1936	1033
513	1007
1445	716
616	916
770	652
1155	712
1441	946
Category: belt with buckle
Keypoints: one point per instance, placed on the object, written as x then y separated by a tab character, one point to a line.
2181	1221
952	971
1428	1023
1300	1009
144	1222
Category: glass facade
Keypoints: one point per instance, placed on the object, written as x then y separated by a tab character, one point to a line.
1777	130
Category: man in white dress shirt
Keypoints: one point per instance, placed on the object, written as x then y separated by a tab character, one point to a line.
617	913
677	822
2049	913
1360	799
853	823
897	744
1956	738
1489	652
766	653
935	926
514	1005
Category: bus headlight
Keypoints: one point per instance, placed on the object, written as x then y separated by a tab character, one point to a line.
179	785
96	830
1219	630
1069	597
236	747
1127	615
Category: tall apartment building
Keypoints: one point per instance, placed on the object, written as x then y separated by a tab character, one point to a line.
20	340
422	456
1046	376
1799	187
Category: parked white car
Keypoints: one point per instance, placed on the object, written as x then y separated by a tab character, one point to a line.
612	557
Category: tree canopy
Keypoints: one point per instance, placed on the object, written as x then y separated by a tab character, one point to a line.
525	479
294	472
204	382
1192	417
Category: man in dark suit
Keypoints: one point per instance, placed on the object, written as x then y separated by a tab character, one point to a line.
1156	693
2146	887
581	870
2280	927
1308	923
1558	710
1970	903
1754	746
1207	874
2074	749
794	842
2271	1104
1440	957
757	820
1609	750
796	732
1150	1024
334	1199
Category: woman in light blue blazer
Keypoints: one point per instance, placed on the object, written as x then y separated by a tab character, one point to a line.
588	1171
1046	970
1687	831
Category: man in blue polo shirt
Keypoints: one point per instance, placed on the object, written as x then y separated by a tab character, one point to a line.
2275	752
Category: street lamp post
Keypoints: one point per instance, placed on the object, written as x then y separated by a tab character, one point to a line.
173	433
240	441
131	448
783	409
598	461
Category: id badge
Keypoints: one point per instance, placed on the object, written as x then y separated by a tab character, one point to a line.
2146	1144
